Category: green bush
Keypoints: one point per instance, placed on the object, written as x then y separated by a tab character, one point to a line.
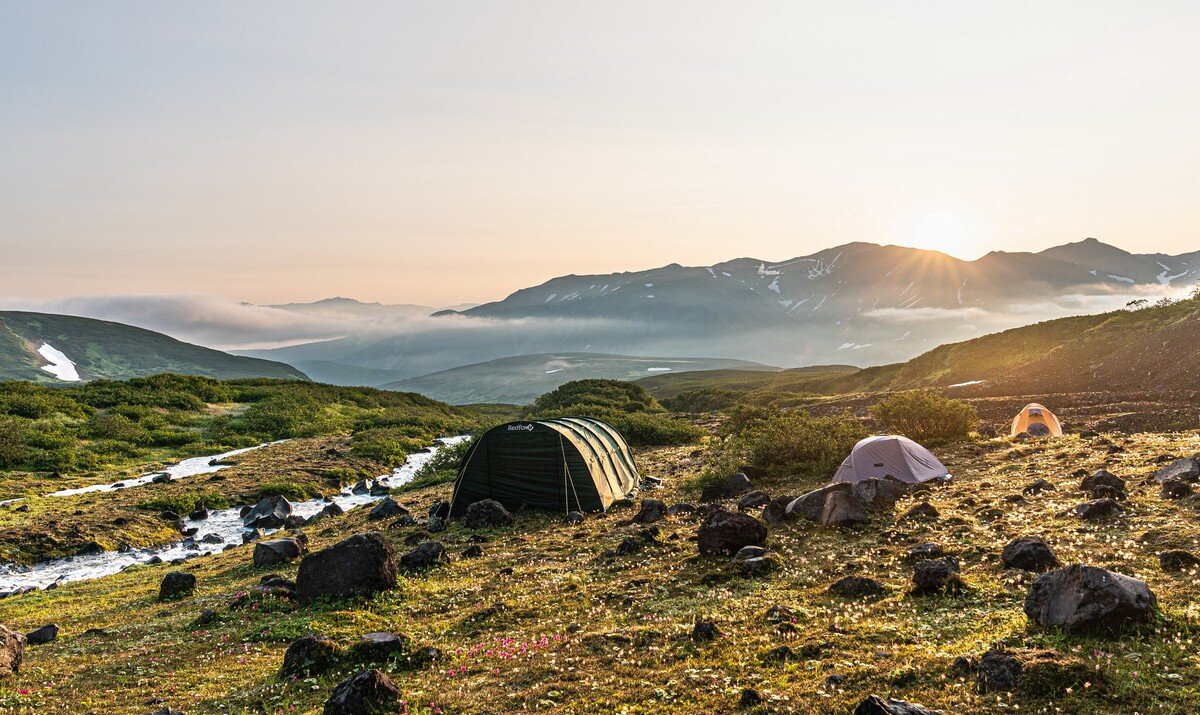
184	503
13	450
925	416
292	489
705	399
387	445
624	405
785	443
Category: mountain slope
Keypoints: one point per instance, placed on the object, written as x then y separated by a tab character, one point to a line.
520	379
98	349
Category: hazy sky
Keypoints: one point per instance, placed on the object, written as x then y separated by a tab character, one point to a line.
440	152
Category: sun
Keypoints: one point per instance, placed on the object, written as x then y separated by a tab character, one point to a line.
947	233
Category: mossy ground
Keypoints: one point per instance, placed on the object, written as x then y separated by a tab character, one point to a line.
568	631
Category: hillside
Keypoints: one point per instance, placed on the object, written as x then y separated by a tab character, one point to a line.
521	379
100	350
1148	348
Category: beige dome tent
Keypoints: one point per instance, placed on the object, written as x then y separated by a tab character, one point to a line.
890	456
1036	421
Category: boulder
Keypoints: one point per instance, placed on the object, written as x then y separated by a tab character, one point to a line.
1038	487
270	513
987	431
176	584
1175	489
857	587
1178	560
366	693
681	508
926	550
749	698
736	484
875	705
252	536
1098	509
809	506
705	631
332	509
879	493
936	576
775	512
473	551
1186	470
358	566
652	510
12	650
45	634
842	509
435	524
277	551
363	486
1085	599
380	647
574	518
998	670
310	655
723	533
753	500
200	514
487	514
1029	553
385	509
1102	477
424	556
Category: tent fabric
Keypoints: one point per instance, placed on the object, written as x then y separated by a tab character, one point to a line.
892	456
1035	414
568	464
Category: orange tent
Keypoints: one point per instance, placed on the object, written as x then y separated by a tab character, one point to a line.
1037	421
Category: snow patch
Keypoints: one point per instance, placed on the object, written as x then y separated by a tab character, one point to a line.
551	297
658	369
854	346
968	383
60	365
557	369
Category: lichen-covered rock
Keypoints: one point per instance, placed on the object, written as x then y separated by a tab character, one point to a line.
1084	599
310	655
358	566
366	693
723	533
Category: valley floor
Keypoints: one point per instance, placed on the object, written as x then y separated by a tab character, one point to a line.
544	622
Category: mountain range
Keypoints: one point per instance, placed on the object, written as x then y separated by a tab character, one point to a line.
858	303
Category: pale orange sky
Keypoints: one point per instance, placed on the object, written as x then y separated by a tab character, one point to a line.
443	152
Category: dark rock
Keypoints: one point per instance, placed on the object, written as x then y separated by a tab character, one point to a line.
998	670
1177	560
435	524
12	650
620	504
749	698
737	484
1186	470
1098	509
45	634
780	614
270	513
1083	599
1038	487
775	512
439	509
652	510
366	693
705	631
406	520
424	556
1106	492
363	486
386	509
753	500
926	550
779	654
857	587
276	551
168	515
487	514
212	539
1102	477
575	517
160	478
176	584
417	537
842	509
421	658
1175	489
680	508
199	514
630	545
936	576
923	512
757	566
880	494
332	509
1029	553
252	536
310	655
358	566
723	533
809	506
473	551
750	552
875	705
380	647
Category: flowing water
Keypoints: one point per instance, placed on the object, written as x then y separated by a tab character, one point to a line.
223	523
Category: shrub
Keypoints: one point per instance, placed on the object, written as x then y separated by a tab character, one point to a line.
785	443
183	503
292	489
624	405
705	399
387	445
12	443
925	416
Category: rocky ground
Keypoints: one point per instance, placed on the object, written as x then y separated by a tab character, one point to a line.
608	616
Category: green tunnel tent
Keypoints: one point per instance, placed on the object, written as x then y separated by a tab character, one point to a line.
564	464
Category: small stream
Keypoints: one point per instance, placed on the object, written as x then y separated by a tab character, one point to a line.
224	523
187	468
